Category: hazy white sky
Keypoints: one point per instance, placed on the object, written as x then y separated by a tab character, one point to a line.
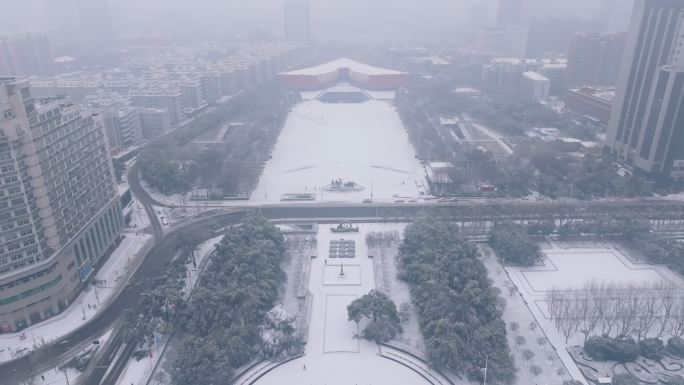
383	16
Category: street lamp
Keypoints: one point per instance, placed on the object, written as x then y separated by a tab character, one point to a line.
485	369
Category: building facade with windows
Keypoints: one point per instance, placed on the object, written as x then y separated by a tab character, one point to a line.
646	129
60	214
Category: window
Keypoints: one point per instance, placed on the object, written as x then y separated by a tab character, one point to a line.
29	242
11	179
26	233
14	246
7	168
25	93
14	190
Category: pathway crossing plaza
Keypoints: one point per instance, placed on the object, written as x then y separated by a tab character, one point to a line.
333	356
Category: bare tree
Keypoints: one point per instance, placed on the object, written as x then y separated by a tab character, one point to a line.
668	300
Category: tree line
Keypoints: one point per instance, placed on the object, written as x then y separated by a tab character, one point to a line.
230	318
220	330
171	165
457	305
514	245
607	308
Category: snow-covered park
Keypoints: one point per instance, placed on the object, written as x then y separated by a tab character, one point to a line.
364	143
333	354
571	269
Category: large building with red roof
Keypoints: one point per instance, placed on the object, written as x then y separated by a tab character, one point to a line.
344	70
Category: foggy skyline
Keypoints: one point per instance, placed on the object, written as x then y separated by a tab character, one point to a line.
329	18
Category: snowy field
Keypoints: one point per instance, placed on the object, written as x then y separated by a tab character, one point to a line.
333	356
568	269
365	143
351	277
110	277
339	333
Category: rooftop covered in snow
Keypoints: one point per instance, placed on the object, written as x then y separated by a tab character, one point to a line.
345	63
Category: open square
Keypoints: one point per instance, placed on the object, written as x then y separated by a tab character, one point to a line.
573	268
339	333
323	142
332	276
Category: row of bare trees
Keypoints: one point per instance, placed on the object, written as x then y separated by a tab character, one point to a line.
607	308
382	238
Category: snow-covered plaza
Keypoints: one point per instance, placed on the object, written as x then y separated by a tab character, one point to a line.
333	354
572	268
364	143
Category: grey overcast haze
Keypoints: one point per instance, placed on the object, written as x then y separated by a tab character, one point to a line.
341	192
380	19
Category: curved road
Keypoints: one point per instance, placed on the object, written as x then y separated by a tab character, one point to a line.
165	249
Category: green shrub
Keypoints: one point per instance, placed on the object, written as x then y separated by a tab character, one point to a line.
652	348
621	348
675	345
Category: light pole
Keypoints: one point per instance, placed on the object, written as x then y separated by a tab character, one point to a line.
485	369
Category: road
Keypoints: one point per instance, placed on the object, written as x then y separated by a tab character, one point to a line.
154	262
165	249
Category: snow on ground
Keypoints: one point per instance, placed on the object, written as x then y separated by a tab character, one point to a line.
568	269
492	134
63	376
56	376
172	199
139	219
108	280
571	268
412	338
138	372
364	142
333	356
545	356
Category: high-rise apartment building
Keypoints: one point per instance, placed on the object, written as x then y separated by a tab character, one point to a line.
123	127
646	129
26	54
59	210
297	23
594	59
170	99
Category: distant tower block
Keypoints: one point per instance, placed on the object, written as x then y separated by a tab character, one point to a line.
297	23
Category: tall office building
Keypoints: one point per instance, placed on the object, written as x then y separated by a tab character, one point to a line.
26	54
594	59
297	23
60	214
646	129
